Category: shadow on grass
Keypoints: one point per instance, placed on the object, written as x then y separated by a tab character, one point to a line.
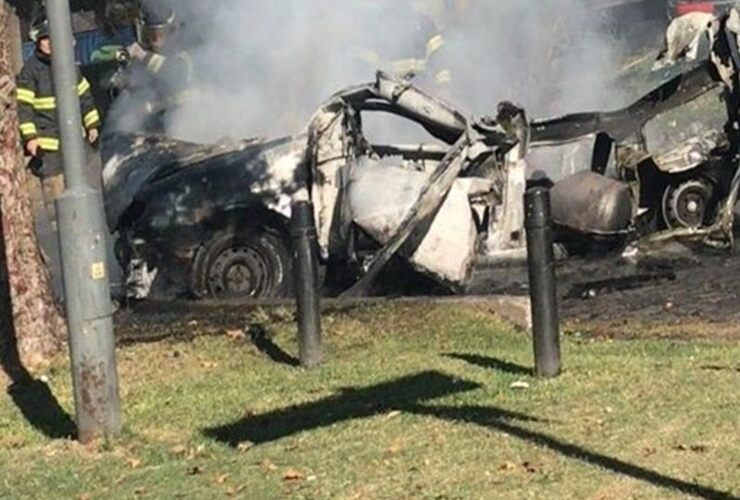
408	395
32	397
489	418
41	409
264	344
491	363
350	404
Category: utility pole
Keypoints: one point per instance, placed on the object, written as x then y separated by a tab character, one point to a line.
82	238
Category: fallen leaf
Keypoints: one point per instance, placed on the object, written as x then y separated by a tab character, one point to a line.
231	491
139	491
506	466
268	466
395	447
236	335
244	446
179	450
134	463
293	475
199	451
220	478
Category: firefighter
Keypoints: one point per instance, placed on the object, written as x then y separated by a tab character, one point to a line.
436	18
161	73
430	19
38	121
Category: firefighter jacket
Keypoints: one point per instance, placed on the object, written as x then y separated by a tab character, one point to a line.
37	104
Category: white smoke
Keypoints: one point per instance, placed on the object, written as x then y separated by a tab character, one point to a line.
263	66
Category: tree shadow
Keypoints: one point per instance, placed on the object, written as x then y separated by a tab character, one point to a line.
491	363
490	418
32	397
41	409
264	344
349	404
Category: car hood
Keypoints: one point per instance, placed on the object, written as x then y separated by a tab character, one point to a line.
132	162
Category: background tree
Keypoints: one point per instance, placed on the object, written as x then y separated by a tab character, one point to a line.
31	325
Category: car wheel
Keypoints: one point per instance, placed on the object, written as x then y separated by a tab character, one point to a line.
687	204
255	263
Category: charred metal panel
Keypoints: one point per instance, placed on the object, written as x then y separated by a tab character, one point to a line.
378	206
622	123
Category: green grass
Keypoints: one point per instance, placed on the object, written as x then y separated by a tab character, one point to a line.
413	402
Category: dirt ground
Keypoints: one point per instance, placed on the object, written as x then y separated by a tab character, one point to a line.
685	296
696	300
680	294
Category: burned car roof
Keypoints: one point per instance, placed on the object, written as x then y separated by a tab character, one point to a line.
621	123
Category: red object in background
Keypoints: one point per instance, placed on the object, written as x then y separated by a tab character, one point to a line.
687	7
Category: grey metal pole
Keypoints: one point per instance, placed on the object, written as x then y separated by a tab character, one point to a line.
82	235
307	292
542	285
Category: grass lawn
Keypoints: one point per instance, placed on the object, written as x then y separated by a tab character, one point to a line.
414	402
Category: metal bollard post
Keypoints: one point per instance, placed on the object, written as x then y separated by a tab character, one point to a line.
306	273
542	285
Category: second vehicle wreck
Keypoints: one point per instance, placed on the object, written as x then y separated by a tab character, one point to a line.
213	220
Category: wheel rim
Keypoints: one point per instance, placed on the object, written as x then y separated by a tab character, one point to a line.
686	205
242	271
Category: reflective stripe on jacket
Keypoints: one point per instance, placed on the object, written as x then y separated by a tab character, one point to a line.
37	104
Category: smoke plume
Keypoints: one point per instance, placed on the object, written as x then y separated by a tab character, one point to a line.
263	66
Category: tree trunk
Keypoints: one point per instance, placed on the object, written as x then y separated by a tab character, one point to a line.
31	325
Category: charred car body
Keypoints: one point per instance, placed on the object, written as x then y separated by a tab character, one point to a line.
213	220
672	155
667	156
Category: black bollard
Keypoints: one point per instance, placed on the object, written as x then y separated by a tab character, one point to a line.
306	273
542	286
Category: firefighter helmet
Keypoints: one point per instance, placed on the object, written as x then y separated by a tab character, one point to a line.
39	29
156	22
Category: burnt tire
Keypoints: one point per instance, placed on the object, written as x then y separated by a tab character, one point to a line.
255	263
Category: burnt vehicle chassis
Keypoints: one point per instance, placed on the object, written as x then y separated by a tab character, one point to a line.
213	221
670	176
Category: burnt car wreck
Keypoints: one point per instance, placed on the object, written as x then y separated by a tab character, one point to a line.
212	221
669	174
671	157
